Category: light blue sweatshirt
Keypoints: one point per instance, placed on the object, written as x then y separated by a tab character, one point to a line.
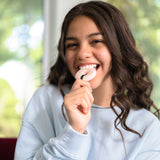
46	135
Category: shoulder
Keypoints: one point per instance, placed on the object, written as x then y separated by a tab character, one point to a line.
44	101
142	120
149	127
49	89
142	115
43	95
46	90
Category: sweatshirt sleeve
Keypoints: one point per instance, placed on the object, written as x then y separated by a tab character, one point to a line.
69	145
33	142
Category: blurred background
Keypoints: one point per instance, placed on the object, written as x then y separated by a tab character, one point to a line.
29	33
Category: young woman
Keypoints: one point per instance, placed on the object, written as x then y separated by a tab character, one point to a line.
106	118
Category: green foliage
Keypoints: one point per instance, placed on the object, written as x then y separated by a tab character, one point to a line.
13	14
8	115
17	16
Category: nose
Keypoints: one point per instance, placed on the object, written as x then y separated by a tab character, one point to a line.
84	52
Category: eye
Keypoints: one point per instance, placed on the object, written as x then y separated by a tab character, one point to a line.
71	45
96	41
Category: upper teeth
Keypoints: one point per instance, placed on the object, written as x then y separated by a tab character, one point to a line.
88	66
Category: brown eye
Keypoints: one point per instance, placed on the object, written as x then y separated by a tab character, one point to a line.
71	45
97	41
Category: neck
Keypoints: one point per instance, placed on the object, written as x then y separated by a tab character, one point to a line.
102	95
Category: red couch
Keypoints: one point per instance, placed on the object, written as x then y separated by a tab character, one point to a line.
7	148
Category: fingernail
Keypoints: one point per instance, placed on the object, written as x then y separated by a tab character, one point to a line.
85	110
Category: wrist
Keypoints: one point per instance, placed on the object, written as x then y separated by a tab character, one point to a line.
82	131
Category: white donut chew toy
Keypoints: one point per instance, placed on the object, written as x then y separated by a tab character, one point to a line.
86	73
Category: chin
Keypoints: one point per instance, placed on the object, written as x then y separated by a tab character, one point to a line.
94	84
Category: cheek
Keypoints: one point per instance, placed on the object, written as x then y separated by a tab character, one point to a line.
105	57
109	62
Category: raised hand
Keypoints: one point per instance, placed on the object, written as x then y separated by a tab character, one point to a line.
78	103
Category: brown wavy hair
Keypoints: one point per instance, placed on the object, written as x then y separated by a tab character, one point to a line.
129	70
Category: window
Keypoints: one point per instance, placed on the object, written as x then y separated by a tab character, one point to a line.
21	49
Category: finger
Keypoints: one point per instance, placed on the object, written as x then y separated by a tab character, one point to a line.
83	94
81	83
88	97
86	100
83	107
82	91
82	99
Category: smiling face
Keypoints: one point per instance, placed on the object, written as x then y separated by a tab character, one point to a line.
85	47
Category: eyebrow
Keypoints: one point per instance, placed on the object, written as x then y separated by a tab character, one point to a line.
88	36
95	34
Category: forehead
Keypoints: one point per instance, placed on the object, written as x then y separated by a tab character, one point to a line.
81	25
